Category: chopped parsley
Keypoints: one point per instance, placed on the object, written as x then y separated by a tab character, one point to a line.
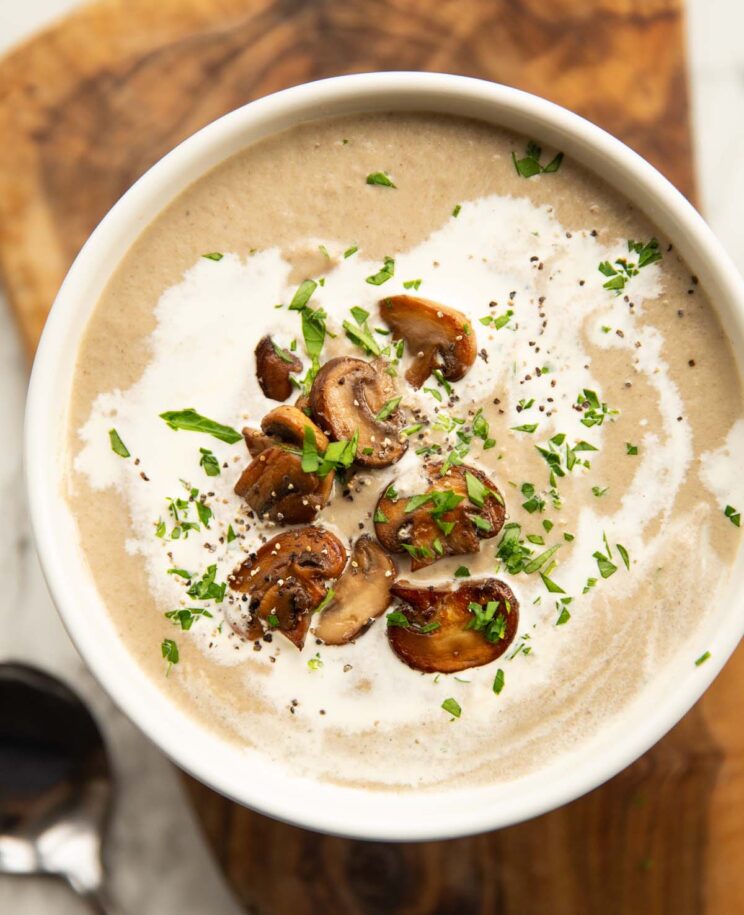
385	273
733	515
303	295
462	572
231	535
315	663
388	408
496	321
456	210
117	445
621	271
702	659
623	555
437	395
534	503
563	617
361	335
529	165
380	517
213	256
380	179
352	250
598	491
498	681
338	456
169	651
397	618
527	427
452	707
551	585
326	601
604	564
485	620
477	492
209	462
631	449
187	616
412	284
190	421
207	588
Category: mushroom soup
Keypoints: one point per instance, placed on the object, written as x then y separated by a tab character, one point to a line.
405	452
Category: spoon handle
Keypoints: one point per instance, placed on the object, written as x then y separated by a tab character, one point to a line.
101	903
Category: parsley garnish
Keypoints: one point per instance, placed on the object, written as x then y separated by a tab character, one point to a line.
339	455
214	256
496	321
621	271
456	211
412	284
169	650
605	565
530	164
303	295
209	462
396	618
352	250
702	659
452	707
462	572
191	421
381	179
552	586
388	408
733	515
527	427
231	535
623	555
563	617
386	272
187	616
595	412
363	338
117	445
498	681
315	663
485	620
326	601
477	492
207	588
631	449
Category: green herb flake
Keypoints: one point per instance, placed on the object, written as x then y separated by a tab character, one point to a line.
209	462
362	337
185	617
380	179
303	295
498	681
189	420
117	445
315	663
326	601
462	572
412	284
598	491
385	273
452	707
231	535
456	210
396	618
733	515
380	517
527	427
169	651
552	586
563	617
702	659
606	566
631	449
213	256
623	555
529	165
352	250
388	408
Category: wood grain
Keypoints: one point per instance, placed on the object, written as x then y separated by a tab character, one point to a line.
86	107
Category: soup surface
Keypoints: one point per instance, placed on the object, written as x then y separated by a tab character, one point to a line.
601	406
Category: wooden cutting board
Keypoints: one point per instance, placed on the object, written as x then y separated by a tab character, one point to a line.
87	106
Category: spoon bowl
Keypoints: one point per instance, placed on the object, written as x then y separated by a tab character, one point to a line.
56	784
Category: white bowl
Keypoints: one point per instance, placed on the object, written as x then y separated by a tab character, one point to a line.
218	763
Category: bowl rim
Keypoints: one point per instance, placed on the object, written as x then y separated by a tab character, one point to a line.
351	812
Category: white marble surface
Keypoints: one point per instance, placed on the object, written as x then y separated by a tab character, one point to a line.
159	862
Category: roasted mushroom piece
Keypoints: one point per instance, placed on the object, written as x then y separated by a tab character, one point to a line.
451	517
440	630
350	395
274	365
360	595
284	582
274	483
438	337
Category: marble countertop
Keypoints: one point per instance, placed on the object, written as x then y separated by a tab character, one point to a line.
159	862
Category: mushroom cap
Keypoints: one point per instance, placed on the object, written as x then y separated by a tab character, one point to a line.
285	424
273	370
286	579
419	529
454	645
347	395
362	594
436	336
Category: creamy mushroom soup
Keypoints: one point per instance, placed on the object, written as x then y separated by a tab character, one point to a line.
405	452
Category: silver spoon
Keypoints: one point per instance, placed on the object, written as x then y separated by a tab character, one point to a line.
55	784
